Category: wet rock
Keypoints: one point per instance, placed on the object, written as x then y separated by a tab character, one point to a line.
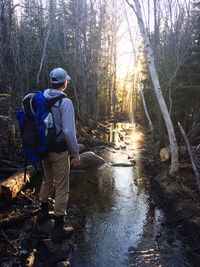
90	159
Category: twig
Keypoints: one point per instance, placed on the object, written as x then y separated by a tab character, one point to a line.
8	240
27	197
17	218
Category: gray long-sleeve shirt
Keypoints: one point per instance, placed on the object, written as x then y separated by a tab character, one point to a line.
63	115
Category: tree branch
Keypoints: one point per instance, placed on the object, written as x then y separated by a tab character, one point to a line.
191	154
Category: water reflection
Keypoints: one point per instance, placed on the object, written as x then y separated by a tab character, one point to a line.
114	210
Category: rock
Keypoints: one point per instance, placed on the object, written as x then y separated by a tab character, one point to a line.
90	159
63	264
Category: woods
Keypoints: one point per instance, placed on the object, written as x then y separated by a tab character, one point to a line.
82	36
130	61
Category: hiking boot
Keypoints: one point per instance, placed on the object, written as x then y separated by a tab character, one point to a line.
60	232
44	214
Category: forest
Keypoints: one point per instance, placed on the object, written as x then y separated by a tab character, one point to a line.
135	87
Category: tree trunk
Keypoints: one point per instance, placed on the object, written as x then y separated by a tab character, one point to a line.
144	105
157	89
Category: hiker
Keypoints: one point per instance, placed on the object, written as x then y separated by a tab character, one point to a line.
56	164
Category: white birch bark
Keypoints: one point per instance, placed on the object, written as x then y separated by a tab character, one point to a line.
157	89
144	104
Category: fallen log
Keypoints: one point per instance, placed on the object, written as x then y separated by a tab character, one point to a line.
11	186
122	165
166	155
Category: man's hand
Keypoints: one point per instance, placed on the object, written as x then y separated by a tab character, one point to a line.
76	161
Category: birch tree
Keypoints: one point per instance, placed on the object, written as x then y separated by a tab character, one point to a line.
144	103
156	86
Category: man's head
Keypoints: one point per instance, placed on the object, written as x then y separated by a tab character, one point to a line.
59	78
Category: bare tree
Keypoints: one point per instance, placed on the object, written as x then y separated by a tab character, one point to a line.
157	88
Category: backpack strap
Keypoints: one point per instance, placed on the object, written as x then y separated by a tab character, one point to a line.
51	102
27	104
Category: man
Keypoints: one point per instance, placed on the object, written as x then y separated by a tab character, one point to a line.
56	165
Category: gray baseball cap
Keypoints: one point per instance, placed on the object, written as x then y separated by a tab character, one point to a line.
58	75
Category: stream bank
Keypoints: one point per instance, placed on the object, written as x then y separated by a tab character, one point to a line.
178	198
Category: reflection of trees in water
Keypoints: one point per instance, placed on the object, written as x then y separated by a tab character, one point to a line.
103	193
94	196
95	188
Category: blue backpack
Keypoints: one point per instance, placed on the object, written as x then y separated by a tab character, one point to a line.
37	127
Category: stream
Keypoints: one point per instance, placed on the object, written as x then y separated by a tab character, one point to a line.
114	206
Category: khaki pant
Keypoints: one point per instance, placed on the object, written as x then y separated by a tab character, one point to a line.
56	174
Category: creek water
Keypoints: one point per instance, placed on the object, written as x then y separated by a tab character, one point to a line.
113	203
